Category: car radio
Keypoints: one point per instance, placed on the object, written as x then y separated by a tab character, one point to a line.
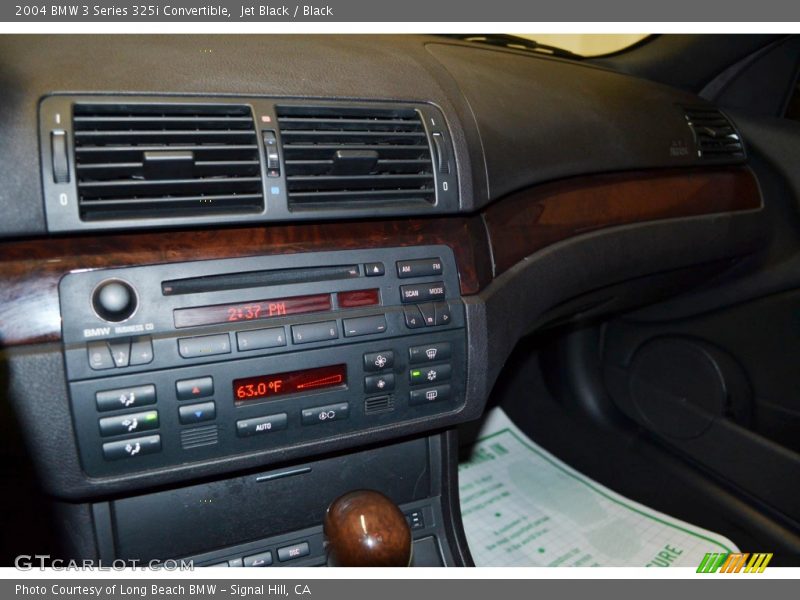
174	363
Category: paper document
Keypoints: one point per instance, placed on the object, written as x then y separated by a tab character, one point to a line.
521	506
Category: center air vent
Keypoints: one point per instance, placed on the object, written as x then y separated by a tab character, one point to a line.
355	156
140	161
714	135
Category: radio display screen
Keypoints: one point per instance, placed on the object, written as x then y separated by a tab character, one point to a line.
251	311
292	382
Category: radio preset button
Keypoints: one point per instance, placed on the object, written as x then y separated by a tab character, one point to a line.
325	414
199	387
378	361
206	345
130	423
364	325
197	413
248	427
315	332
422	292
430	353
424	267
259	339
132	447
132	397
430	375
435	393
379	383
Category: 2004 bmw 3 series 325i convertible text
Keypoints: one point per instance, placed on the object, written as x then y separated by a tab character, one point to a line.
399	300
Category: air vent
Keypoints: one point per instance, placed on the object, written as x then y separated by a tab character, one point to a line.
355	156
378	405
714	135
140	161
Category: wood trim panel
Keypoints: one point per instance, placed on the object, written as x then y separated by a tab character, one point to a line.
528	221
518	226
30	270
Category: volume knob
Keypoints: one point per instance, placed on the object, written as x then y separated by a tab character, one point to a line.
114	300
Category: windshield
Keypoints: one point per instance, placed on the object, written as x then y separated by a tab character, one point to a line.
586	44
574	46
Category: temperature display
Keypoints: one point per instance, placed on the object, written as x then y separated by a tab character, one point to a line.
251	311
292	382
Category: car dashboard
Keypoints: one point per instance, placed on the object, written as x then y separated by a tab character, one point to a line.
243	275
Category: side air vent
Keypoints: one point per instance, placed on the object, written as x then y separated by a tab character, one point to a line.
355	157
714	135
140	161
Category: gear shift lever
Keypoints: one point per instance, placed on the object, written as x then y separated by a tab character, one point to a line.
366	529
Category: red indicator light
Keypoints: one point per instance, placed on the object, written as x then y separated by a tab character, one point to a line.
357	298
292	382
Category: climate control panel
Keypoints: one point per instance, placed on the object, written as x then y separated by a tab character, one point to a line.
196	361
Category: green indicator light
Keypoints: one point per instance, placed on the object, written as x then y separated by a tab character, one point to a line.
416	373
151	416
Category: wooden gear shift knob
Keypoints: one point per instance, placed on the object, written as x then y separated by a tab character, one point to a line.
365	529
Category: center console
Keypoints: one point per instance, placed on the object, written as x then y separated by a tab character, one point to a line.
281	382
182	363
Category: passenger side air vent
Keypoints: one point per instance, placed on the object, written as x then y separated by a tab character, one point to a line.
143	161
714	135
355	156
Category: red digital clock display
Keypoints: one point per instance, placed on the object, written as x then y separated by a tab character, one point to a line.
251	311
293	382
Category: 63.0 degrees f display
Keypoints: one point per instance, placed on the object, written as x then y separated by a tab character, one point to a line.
292	382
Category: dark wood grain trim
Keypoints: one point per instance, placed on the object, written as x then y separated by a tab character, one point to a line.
528	221
518	226
30	270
